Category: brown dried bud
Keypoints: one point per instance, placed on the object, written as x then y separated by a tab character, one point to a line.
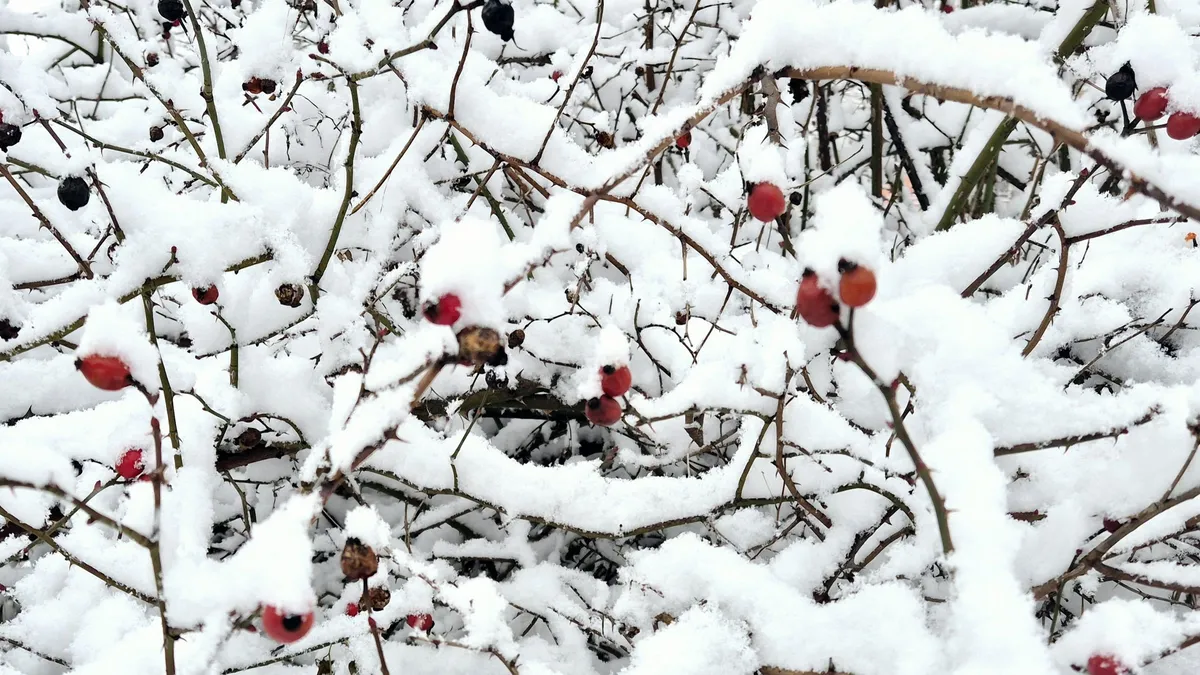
290	295
249	438
605	140
516	338
359	561
378	598
156	133
477	345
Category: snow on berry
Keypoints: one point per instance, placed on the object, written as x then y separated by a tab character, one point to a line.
112	331
131	464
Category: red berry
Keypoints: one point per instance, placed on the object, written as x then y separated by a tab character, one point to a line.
286	627
1151	105
1111	524
323	47
684	140
104	372
444	312
131	465
857	286
766	202
1105	664
603	411
422	622
615	381
947	9
814	304
205	296
555	75
352	609
1182	126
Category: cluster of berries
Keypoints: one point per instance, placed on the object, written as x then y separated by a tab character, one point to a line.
1152	105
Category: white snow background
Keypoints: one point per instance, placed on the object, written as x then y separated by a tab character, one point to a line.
974	473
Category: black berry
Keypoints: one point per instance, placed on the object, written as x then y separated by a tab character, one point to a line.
10	135
798	89
1121	85
171	10
73	193
156	133
498	18
7	330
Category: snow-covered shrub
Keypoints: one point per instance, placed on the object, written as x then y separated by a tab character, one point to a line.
593	336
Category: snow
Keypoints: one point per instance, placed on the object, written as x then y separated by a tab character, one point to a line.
761	506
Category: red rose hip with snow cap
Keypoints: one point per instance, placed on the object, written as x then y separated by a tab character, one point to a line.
286	628
130	465
422	622
1182	126
615	381
1105	664
1151	105
445	311
766	202
857	286
603	411
104	372
684	140
206	295
814	304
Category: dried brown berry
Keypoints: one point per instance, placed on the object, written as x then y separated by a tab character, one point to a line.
378	597
516	338
7	330
156	133
477	345
359	561
268	86
151	59
290	295
249	438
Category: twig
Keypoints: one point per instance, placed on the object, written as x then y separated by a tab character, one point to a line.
939	506
1056	296
1068	441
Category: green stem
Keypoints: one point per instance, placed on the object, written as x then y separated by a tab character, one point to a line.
991	150
168	393
207	91
348	193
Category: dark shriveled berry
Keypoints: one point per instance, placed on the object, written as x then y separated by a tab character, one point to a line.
378	597
10	135
1121	84
73	193
290	295
156	134
359	561
498	18
477	345
171	10
7	330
